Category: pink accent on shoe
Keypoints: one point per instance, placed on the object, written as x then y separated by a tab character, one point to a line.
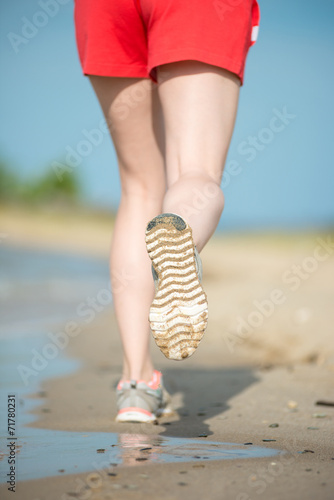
154	383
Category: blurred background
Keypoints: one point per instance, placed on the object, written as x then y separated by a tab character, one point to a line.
268	272
285	178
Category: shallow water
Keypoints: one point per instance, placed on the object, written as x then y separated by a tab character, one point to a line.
40	288
39	452
58	452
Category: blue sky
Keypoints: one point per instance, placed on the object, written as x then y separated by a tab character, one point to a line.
285	168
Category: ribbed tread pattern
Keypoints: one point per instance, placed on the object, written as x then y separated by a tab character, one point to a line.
179	312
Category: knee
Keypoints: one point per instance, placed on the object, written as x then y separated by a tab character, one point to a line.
141	193
198	171
197	189
144	187
190	167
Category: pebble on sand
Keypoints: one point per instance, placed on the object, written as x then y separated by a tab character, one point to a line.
273	425
93	477
324	403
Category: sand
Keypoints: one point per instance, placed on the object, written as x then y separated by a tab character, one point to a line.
267	357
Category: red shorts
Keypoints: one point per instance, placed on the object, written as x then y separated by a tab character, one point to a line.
130	38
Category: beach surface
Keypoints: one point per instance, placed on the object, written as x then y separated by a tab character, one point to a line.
263	375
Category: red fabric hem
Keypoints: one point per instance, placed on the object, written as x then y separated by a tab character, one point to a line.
118	70
194	54
176	55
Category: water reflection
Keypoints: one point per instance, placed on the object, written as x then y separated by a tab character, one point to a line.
43	453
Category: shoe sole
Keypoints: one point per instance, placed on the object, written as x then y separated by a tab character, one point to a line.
136	416
179	312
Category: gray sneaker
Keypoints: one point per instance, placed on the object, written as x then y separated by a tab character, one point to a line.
138	401
179	312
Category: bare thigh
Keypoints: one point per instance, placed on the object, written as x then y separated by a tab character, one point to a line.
133	113
199	104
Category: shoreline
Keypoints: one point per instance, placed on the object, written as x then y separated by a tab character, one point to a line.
228	404
267	293
89	232
238	384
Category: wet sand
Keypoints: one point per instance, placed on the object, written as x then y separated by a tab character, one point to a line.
267	358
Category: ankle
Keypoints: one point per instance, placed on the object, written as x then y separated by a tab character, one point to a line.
145	374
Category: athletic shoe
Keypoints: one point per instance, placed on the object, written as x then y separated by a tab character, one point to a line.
139	401
179	312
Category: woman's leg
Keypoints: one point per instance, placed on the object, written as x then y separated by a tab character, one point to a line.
199	104
131	108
